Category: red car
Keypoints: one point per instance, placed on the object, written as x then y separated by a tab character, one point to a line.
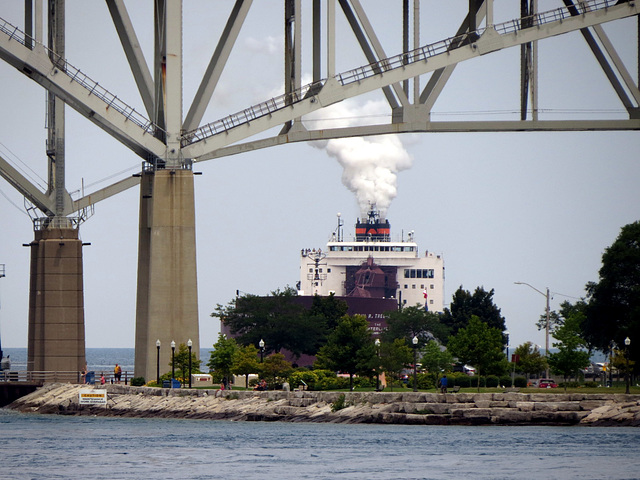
547	383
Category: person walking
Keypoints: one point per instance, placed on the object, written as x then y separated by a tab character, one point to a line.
117	373
443	384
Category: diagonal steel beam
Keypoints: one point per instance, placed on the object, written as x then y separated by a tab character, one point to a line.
439	79
359	81
617	62
133	51
217	64
377	47
104	193
83	95
26	188
366	48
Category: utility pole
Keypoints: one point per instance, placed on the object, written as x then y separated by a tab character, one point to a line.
546	326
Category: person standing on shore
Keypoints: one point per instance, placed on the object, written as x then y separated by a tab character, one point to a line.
117	373
443	384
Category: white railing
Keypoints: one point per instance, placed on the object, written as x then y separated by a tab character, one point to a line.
61	377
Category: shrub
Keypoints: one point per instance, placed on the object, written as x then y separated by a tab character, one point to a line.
463	381
335	383
591	384
339	404
492	381
425	381
308	377
505	381
364	382
569	384
137	381
520	382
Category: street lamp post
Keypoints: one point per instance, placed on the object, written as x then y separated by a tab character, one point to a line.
261	345
627	342
189	344
377	343
546	327
173	363
415	363
506	334
612	347
158	362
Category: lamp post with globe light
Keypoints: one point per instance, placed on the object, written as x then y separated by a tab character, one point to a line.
261	344
189	344
627	342
377	343
158	362
173	363
415	363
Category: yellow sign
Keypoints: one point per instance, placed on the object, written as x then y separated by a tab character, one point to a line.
92	397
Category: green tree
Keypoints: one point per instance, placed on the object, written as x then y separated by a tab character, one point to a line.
414	321
613	311
245	362
330	309
530	361
223	356
436	359
465	305
479	345
395	356
349	348
571	356
555	321
278	319
622	362
182	362
276	367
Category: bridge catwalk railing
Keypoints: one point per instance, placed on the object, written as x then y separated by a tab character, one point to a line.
582	7
387	64
75	75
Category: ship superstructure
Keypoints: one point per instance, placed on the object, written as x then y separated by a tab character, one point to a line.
372	265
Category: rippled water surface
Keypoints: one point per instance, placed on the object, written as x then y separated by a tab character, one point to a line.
60	447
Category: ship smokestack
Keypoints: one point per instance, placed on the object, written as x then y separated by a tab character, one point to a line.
373	228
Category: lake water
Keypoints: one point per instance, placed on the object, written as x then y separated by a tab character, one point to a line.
98	359
61	447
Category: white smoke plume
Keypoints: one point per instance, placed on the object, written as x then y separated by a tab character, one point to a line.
370	164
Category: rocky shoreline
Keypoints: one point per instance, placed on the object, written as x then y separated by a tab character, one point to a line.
508	408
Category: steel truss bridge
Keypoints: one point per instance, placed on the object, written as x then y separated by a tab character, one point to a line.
170	143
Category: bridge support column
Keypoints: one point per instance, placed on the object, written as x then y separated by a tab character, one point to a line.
56	340
167	301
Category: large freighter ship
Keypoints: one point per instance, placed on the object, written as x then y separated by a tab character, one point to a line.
373	266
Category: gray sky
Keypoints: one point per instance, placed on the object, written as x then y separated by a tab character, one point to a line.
532	207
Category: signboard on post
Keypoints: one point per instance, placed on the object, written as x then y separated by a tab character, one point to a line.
92	397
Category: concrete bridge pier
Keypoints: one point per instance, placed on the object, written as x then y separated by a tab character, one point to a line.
56	339
167	297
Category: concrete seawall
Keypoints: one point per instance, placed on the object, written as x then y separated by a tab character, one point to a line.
403	407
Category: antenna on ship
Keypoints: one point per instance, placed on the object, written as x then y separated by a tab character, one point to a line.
339	229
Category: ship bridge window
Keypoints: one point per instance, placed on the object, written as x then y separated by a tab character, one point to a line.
418	273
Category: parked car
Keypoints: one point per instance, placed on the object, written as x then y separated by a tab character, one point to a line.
547	383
